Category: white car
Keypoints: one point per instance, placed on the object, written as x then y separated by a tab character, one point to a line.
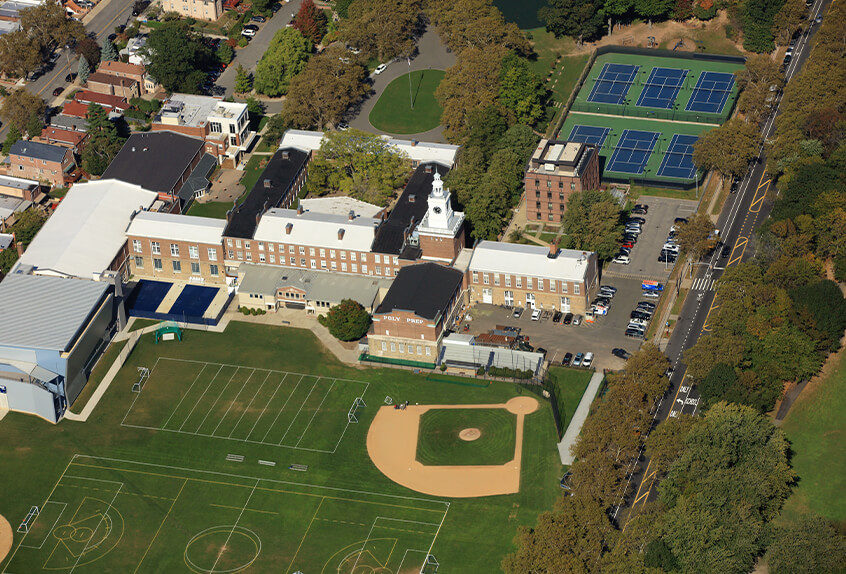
587	360
248	32
536	314
622	259
642	322
651	294
380	68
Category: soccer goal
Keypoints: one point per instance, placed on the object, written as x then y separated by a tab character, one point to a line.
143	375
430	566
30	518
352	415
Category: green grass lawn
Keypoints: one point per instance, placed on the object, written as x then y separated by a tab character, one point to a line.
145	485
638	190
141	323
816	426
99	371
570	385
439	444
215	209
218	209
392	112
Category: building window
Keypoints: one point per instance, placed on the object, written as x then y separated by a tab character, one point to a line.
272	258
486	279
269	247
177	266
343	254
509	298
548	183
563	286
249	255
343	266
377	258
302	261
384	346
496	279
354	268
508	280
573	185
519	282
540	284
195	268
261	257
139	262
302	250
333	265
238	243
215	127
364	269
378	270
155	247
538	214
419	349
213	270
396	260
476	277
575	288
323	264
193	252
212	254
552	285
246	245
174	250
311	251
323	253
428	351
562	207
157	264
229	241
290	248
313	264
352	256
402	347
528	282
136	245
393	347
332	253
560	185
537	183
261	245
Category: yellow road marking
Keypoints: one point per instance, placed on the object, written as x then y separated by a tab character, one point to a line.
739	244
758	200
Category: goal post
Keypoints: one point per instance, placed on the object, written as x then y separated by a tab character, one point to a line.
430	565
352	414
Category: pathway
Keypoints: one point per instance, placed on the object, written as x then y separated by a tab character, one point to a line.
575	426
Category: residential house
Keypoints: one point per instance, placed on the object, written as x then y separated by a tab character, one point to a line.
41	161
135	72
113	85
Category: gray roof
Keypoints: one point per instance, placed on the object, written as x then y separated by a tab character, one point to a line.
38	150
154	160
457	350
199	177
318	285
46	312
69	123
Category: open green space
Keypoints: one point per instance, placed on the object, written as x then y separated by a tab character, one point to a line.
104	363
638	190
215	209
439	444
393	112
569	385
154	481
816	427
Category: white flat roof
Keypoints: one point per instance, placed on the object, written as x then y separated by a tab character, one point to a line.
416	151
87	230
340	205
177	227
529	260
316	229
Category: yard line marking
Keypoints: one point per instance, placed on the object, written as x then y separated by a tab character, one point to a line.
251	367
304	536
211	408
247	509
176	408
299	410
235	398
184	482
276	418
99	522
364	546
208	386
279	386
315	412
234	526
250	403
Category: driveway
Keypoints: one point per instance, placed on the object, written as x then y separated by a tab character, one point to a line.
431	54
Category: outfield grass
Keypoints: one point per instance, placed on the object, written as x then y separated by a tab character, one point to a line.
570	385
123	498
439	442
392	112
816	426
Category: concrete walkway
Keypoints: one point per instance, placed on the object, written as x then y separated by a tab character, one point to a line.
575	426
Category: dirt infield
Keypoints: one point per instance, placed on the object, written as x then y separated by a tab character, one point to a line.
5	537
392	445
470	434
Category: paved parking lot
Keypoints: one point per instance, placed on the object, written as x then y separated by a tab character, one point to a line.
644	257
599	338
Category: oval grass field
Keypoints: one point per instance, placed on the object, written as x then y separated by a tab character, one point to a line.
438	443
392	112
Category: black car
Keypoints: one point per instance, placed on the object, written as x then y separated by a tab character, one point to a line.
70	77
678	220
641	206
735	185
640	220
112	37
541	350
726	251
640	315
556	317
257	18
568	357
647	305
568	318
621	353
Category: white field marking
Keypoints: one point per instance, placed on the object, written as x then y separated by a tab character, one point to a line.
364	546
235	398
314	414
47	536
191	386
299	410
407	550
438	531
284	405
343	432
199	400
278	386
132	404
252	367
234	526
109	507
211	408
260	387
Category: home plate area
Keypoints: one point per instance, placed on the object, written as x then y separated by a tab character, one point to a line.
246	404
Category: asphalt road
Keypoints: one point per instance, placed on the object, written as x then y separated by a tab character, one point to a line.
738	222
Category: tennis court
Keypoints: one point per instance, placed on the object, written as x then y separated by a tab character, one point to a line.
662	87
711	92
633	151
193	301
148	295
590	135
613	83
678	160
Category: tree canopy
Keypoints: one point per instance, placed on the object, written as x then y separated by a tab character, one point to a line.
806	545
695	238
592	223
382	29
476	24
178	57
103	142
311	21
347	321
19	106
727	149
579	19
285	57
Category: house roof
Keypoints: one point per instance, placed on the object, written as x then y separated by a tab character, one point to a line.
75	109
273	186
38	150
71	137
177	227
69	122
529	260
101	78
316	229
115	66
340	205
199	178
154	160
87	230
107	100
425	289
46	312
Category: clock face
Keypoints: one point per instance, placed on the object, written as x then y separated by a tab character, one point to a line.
436	209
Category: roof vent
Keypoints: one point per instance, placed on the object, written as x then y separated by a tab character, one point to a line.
411	198
267	183
288	228
300	209
553	251
351	215
428	168
285	154
340	234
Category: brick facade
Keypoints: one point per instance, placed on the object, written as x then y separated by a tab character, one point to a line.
41	169
549	184
404	335
176	260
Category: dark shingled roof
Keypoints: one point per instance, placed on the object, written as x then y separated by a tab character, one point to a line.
199	178
425	289
38	150
154	160
281	172
409	209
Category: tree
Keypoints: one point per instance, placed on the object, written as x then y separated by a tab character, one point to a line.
225	53
578	19
727	149
592	222
286	56
20	53
262	6
13	136
696	237
521	90
19	106
108	52
89	49
806	545
757	18
26	226
824	302
243	81
177	57
34	126
103	141
721	384
49	23
654	9
342	7
476	24
347	321
275	128
310	21
788	20
255	107
358	164
83	70
323	91
666	443
382	29
485	127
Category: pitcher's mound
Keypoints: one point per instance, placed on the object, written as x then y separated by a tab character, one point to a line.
522	405
470	434
5	538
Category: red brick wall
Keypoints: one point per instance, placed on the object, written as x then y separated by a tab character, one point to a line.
546	194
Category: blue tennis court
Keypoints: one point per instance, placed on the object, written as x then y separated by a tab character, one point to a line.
613	83
193	301
590	135
147	297
661	88
678	161
632	151
711	92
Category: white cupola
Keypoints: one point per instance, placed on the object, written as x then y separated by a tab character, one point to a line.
440	205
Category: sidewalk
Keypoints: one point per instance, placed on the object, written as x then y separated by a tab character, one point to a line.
575	426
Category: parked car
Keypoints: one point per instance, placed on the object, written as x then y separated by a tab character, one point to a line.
257	18
577	360
652	294
678	220
634	334
638	321
568	318
647	305
636	314
577	319
380	68
667	258
621	353
70	77
568	358
536	314
343	126
622	259
725	252
587	360
58	91
248	32
556	317
518	312
608	290
638	220
541	350
641	206
627	245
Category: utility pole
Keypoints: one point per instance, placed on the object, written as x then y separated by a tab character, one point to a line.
410	97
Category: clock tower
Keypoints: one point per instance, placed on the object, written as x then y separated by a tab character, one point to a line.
441	232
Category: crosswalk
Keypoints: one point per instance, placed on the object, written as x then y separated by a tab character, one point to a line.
703	284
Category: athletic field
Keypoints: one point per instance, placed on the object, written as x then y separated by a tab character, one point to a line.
245	452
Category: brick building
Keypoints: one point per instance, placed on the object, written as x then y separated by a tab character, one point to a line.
134	72
172	247
40	161
556	171
532	276
113	85
410	322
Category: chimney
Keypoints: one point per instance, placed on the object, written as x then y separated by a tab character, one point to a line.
553	250
428	168
351	215
340	234
19	248
288	228
267	183
285	154
300	209
229	216
411	198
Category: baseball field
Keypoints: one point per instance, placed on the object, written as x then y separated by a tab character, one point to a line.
246	452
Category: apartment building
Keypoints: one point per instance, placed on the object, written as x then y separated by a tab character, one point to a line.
557	170
197	9
113	85
134	72
40	161
532	276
